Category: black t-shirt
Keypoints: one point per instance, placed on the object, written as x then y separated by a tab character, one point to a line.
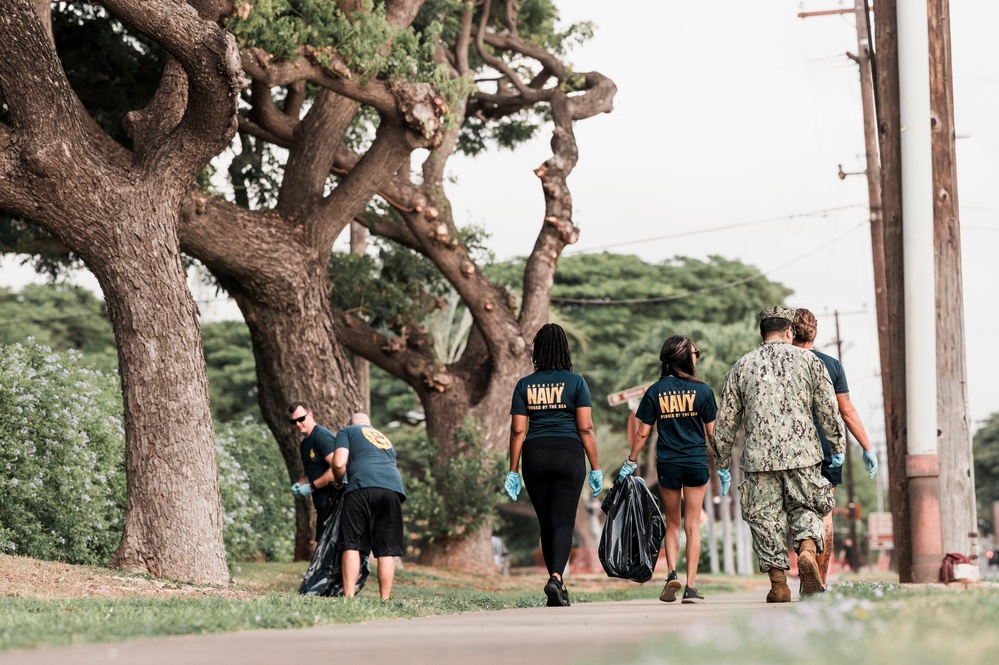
679	408
838	376
315	448
549	400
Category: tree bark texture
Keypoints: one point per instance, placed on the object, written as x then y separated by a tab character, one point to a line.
886	42
122	221
958	516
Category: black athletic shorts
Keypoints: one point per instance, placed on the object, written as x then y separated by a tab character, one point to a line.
371	521
674	476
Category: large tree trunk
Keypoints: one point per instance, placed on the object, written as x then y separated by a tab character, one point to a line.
298	358
173	524
121	219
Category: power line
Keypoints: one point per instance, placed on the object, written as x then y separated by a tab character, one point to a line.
802	215
708	289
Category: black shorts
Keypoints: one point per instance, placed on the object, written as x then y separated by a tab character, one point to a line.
674	476
371	521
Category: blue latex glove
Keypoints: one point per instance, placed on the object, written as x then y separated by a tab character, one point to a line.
837	460
294	489
870	462
512	485
596	481
726	480
627	469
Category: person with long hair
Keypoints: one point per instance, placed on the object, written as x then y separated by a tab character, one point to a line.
551	426
805	328
683	409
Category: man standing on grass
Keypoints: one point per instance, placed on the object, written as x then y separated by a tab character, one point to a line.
371	521
774	390
316	449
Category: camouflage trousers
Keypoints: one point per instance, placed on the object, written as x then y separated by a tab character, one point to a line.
775	501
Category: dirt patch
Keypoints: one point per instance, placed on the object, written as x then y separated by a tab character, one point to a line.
21	577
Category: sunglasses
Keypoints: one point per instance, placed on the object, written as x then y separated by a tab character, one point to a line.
300	419
697	353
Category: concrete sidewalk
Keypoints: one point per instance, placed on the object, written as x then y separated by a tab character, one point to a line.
582	633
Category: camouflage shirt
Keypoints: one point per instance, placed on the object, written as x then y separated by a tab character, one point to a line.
772	391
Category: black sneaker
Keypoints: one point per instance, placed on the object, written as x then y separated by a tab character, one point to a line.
565	595
553	589
672	586
690	595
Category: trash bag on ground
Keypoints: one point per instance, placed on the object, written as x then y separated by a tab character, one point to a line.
633	531
325	574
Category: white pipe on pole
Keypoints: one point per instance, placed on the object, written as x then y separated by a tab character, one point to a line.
917	227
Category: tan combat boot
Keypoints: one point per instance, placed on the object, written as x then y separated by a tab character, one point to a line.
779	591
808	569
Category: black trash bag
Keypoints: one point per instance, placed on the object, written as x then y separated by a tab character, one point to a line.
325	575
633	531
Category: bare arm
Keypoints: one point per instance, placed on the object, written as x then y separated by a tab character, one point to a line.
338	465
584	425
518	429
641	436
852	420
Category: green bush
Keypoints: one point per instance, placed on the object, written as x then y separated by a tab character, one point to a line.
257	506
62	450
447	494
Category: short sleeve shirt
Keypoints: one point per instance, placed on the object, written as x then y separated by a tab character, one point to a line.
549	400
679	409
315	448
372	459
838	376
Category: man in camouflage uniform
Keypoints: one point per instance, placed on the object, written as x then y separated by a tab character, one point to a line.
773	391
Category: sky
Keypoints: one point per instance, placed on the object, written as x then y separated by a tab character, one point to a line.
730	123
736	115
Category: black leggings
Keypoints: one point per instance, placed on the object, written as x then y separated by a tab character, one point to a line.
554	469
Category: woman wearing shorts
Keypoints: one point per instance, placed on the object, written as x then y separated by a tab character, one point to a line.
683	409
552	426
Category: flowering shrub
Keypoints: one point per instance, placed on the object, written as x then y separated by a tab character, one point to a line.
258	510
62	452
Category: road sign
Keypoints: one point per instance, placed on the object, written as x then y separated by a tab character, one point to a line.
629	395
879	531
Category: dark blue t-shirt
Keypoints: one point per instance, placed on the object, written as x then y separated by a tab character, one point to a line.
838	376
549	400
315	448
372	459
679	408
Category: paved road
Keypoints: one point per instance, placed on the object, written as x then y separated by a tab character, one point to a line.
580	634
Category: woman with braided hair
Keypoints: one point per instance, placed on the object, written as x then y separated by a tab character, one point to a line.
552	427
684	409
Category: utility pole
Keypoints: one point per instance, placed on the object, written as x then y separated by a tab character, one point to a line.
890	139
851	499
957	470
864	60
362	368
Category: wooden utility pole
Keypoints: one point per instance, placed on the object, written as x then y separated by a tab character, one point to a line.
362	368
864	60
889	133
957	470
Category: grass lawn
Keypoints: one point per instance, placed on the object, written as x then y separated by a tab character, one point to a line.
859	622
52	604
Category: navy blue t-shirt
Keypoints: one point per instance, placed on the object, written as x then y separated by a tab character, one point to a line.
549	400
679	408
372	459
315	448
838	376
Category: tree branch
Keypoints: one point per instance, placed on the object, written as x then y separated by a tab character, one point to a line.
388	229
210	61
